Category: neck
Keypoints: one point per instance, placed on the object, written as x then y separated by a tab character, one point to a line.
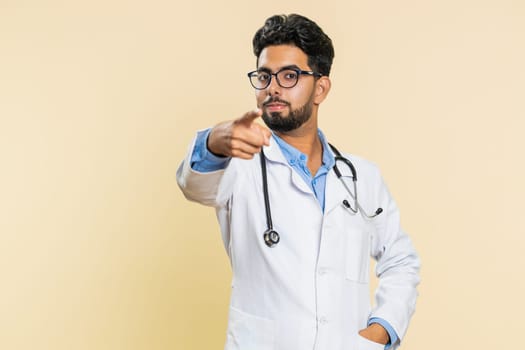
305	138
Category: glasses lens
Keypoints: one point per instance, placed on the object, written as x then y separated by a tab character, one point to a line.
260	80
287	78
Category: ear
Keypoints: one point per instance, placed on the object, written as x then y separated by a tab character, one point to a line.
322	87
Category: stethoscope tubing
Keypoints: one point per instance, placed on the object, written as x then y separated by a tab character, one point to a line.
271	237
357	206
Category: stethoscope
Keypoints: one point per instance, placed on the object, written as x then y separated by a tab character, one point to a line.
271	237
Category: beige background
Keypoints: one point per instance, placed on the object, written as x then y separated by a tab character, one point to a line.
98	101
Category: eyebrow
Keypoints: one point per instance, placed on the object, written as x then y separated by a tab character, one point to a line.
266	69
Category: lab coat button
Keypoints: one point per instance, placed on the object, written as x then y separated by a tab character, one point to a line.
323	320
322	271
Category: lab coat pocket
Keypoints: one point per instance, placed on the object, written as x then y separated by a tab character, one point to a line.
365	344
247	331
357	256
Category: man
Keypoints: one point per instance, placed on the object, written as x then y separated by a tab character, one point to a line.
300	252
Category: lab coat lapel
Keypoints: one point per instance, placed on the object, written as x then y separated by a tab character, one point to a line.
274	154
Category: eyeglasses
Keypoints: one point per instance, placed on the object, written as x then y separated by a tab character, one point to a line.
286	77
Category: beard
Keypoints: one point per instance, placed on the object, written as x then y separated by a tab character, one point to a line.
297	117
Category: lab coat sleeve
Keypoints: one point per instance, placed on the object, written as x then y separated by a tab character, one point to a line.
211	188
397	267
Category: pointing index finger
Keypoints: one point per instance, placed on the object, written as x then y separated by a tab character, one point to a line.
250	116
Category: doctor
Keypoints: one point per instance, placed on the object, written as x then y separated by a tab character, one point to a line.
307	287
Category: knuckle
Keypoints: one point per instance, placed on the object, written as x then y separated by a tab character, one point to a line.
236	132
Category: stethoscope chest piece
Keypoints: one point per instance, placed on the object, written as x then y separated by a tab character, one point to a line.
271	238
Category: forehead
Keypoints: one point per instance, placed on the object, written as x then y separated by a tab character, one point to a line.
277	56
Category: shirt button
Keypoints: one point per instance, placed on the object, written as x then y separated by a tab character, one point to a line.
323	320
322	271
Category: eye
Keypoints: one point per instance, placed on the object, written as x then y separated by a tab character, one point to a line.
263	76
289	75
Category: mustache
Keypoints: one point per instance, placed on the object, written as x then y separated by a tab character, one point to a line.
275	100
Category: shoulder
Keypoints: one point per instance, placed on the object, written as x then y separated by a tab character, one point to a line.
362	165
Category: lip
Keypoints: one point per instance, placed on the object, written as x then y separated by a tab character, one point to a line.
275	106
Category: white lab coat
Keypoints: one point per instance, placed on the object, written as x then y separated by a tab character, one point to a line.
310	291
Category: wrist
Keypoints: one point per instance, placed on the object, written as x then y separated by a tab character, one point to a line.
215	153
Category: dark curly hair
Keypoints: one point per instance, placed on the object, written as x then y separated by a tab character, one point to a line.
298	31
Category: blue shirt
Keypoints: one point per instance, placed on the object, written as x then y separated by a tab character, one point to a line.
204	161
299	162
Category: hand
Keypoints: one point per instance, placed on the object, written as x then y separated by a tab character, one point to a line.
376	333
240	138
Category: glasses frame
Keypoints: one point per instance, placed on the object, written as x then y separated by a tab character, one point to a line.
296	70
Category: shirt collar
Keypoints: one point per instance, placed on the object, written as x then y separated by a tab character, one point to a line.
294	156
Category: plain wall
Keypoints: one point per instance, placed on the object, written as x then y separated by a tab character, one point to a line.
99	101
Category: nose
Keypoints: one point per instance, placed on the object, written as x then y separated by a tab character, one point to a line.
274	88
